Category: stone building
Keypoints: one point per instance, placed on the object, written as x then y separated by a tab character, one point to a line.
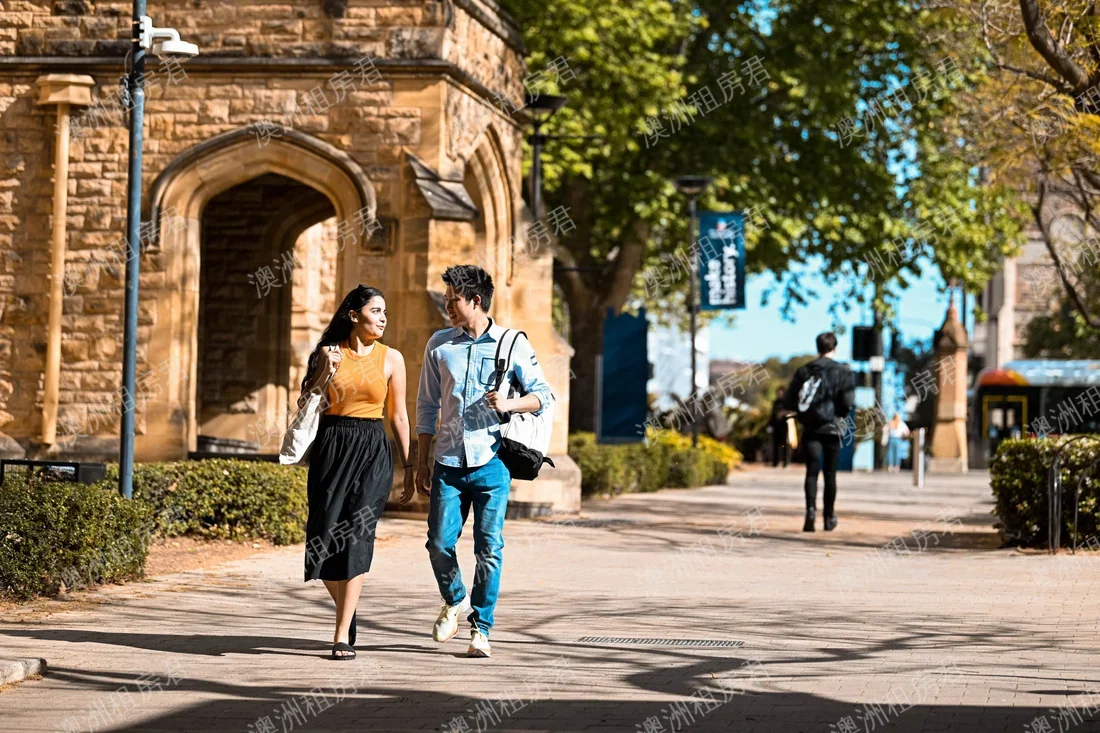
311	146
1028	284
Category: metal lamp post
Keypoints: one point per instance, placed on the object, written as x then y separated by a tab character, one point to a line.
541	108
164	42
692	187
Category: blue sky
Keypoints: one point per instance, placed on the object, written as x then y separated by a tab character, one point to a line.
760	332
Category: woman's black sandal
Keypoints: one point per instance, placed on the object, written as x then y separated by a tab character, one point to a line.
351	631
340	646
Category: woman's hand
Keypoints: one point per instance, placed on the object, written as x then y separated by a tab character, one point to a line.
332	358
409	487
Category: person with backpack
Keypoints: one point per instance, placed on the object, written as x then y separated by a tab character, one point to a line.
822	394
460	389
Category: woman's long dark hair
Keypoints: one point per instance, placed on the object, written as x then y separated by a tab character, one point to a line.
339	328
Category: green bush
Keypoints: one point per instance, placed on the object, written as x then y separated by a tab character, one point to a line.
724	458
224	498
63	532
1018	476
603	468
668	461
85	535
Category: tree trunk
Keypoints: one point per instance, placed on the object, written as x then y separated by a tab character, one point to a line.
587	328
588	304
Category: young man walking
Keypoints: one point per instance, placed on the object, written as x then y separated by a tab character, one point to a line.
457	385
822	394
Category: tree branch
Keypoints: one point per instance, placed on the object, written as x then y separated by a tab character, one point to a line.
573	284
1048	48
1058	84
1074	296
626	266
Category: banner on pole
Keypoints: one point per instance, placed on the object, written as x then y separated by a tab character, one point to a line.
721	257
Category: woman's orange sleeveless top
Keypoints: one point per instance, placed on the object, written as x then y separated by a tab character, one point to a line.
359	387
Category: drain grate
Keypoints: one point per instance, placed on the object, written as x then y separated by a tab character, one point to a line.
710	643
592	523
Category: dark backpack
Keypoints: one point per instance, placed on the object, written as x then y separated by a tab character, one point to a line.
816	406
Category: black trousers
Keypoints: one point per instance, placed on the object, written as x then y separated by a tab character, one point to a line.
779	445
822	452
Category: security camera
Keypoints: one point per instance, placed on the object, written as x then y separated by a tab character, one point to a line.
164	41
175	48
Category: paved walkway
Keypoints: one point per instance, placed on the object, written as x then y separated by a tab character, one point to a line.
830	632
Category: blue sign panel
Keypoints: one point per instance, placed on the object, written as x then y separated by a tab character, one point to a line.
625	374
721	260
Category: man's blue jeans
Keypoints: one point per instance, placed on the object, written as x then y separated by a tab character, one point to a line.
454	491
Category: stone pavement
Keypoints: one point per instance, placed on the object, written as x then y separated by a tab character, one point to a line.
907	618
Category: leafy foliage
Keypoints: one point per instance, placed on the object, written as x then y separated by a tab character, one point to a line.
224	498
54	533
668	461
1064	333
821	204
85	535
1018	476
1035	113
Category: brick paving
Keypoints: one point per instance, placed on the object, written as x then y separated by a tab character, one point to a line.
940	632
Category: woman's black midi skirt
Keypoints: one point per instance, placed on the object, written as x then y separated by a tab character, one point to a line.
350	476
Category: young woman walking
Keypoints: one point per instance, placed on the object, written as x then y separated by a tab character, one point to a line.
894	434
350	466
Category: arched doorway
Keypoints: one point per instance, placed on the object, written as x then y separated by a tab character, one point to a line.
246	234
266	281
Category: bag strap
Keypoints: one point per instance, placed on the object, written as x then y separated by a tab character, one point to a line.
496	360
502	365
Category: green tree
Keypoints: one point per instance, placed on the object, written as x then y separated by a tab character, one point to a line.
1036	116
1063	334
856	195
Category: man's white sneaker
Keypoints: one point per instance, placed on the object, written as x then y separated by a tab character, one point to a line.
479	645
446	626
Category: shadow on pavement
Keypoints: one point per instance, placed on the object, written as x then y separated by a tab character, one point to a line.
378	707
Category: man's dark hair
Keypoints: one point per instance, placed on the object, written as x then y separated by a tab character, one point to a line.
470	280
826	342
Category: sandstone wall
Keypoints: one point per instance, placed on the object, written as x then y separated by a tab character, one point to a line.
382	116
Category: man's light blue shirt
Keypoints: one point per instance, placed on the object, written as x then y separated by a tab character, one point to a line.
457	373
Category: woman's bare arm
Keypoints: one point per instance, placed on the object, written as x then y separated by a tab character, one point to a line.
395	403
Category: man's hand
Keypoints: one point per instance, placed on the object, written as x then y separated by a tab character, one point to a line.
503	405
409	487
424	480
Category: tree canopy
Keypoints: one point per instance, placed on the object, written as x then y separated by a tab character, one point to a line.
1036	120
835	125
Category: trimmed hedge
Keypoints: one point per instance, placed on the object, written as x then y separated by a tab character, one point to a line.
668	461
62	532
1018	477
56	532
224	498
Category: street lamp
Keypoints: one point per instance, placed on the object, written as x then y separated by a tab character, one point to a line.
692	187
541	108
162	42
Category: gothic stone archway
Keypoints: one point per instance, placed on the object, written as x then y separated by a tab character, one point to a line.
172	297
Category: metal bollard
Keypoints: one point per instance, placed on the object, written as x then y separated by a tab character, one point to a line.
918	458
